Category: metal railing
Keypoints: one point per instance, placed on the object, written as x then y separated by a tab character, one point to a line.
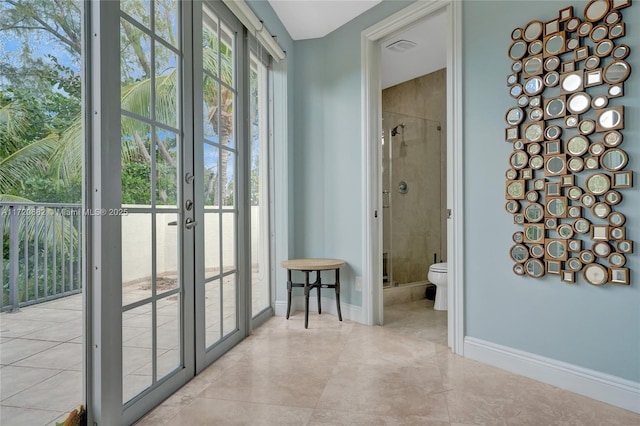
41	252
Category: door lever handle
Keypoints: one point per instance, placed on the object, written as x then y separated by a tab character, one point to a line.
190	223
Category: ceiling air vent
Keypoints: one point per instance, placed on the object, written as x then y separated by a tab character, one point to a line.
401	46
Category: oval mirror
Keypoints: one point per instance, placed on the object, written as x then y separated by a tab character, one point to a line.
534	268
515	189
516	90
601	210
601	249
555	108
553	132
579	103
616	31
600	102
518	145
587	126
596	10
551	79
572	43
592	62
534	148
517	49
516	66
617	233
615	90
532	66
556	249
613	17
598	183
523	100
571	121
533	132
574	212
519	253
551	63
565	231
614	159
573	24
616	72
604	47
584	29
516	34
532	31
534	101
587	200
595	274
572	82
536	114
536	162
609	119
581	226
534	212
532	196
555	165
612	197
599	32
554	44
511	174
577	145
556	207
519	159
586	256
518	269
620	52
616	219
596	148
575	164
591	163
574	193
533	86
617	259
512	79
512	206
574	264
534	234
612	138
535	47
514	116
625	246
537	250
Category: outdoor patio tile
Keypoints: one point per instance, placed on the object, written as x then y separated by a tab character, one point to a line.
16	416
19	349
62	316
12	326
65	356
73	303
62	393
58	332
16	379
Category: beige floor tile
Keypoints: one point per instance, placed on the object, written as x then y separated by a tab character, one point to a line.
18	349
58	332
64	356
62	393
11	325
350	418
16	379
16	416
218	412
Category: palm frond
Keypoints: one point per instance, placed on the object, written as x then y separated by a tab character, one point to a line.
22	164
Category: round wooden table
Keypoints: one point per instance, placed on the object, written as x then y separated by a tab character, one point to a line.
307	266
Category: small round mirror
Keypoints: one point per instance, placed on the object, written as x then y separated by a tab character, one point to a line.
572	43
532	31
553	132
620	52
601	210
614	159
565	231
551	63
584	29
573	24
574	212
517	49
596	10
616	219
519	253
599	32
535	47
587	200
600	102
536	114
534	234
523	100
574	193
516	90
613	17
579	103
617	259
555	107
601	249
616	31
598	183
516	66
534	268
556	249
625	246
586	256
533	86
595	274
519	159
574	264
612	138
591	163
592	62
555	165
532	196
551	79
518	269
604	47
596	148
577	145
537	250
587	126
536	162
514	116
581	226
554	44
571	83
515	189
616	72
538	184
533	132
575	164
613	197
534	148
556	207
534	212
512	206
571	121
512	79
609	119
533	66
617	233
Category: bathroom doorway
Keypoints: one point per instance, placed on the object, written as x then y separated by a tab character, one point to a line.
373	40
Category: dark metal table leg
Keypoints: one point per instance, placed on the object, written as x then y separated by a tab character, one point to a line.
338	293
289	287
319	284
306	299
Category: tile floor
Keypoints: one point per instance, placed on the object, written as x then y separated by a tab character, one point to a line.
349	374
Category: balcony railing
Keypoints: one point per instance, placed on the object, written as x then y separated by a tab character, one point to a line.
41	253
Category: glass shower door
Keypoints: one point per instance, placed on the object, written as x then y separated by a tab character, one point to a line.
414	193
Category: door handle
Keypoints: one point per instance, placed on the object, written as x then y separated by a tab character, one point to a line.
190	223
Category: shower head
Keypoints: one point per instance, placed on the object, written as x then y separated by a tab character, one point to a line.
395	130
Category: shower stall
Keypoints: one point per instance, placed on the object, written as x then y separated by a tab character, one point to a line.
413	198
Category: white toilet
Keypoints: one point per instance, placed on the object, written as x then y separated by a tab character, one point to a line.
438	276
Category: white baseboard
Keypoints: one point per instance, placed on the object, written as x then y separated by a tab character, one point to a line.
349	312
593	384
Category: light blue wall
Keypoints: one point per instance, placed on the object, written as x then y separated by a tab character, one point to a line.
593	327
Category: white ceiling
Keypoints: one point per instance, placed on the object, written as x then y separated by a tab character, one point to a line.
316	18
305	19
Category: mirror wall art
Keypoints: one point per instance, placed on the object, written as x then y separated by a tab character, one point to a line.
568	169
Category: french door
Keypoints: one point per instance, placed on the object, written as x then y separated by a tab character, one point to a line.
183	217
